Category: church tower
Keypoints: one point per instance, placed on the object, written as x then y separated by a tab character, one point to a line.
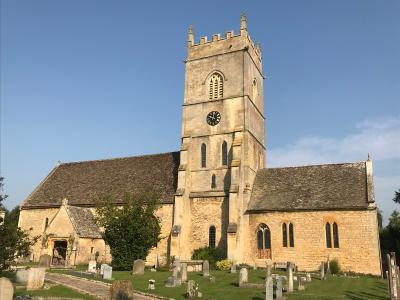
222	144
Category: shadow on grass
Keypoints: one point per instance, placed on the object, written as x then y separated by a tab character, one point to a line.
256	298
363	296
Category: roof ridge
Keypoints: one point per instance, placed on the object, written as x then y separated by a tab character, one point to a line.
116	158
317	165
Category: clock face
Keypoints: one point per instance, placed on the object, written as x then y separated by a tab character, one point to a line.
213	118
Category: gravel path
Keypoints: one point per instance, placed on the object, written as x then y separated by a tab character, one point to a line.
98	290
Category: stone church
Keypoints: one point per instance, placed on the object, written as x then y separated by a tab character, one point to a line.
216	190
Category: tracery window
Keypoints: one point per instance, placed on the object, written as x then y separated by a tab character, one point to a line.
211	236
291	235
335	236
216	86
224	153
264	241
213	181
203	155
328	235
284	234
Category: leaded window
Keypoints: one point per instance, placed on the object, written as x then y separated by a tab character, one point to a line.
213	181
203	155
211	237
328	235
335	235
224	153
284	234
291	235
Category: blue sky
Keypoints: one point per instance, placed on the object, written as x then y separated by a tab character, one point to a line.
83	80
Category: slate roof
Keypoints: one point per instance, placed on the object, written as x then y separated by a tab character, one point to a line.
83	221
82	183
318	187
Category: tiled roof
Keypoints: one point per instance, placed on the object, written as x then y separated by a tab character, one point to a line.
83	221
82	183
319	187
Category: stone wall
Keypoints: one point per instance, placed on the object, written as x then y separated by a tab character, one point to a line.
358	239
206	212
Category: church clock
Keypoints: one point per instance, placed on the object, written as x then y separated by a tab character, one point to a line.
213	118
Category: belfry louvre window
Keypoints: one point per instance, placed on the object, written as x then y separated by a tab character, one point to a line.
211	237
224	154
328	235
203	155
284	234
216	86
335	236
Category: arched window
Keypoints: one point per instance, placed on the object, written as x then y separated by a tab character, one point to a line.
291	235
46	224
267	238
211	237
260	235
224	154
216	86
213	181
203	155
328	235
284	234
335	235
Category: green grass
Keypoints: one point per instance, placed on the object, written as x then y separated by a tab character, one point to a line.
226	286
54	291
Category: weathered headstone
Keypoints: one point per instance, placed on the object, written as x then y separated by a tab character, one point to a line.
6	289
322	271
22	276
279	292
191	289
269	271
45	260
289	273
300	286
183	273
171	281
121	290
206	268
177	264
152	284
92	266
243	276
156	261
107	272
233	268
328	268
35	278
102	268
269	289
308	277
138	267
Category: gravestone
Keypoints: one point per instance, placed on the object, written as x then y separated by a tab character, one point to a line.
175	272
322	270
206	268
191	289
45	260
328	268
269	289
289	274
279	292
6	289
138	267
156	261
152	284
233	268
35	278
184	272
121	290
269	271
92	266
102	268
171	281
308	277
177	264
22	276
300	286
107	272
243	276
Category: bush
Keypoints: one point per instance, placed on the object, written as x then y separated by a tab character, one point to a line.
224	265
208	253
334	266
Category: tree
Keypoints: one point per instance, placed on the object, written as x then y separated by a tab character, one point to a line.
397	197
14	242
130	229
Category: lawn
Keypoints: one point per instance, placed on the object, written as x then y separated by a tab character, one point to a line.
226	286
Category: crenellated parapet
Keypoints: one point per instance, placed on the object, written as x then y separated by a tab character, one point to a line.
218	44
